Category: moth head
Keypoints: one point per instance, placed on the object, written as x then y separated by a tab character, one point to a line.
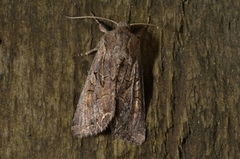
123	24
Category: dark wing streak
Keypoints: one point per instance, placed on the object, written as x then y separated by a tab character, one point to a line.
96	106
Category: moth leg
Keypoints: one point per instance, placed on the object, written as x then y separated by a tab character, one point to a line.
90	51
102	27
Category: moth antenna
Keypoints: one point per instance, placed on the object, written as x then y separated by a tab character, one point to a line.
92	17
146	24
96	19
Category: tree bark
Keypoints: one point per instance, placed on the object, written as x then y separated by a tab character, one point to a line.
191	72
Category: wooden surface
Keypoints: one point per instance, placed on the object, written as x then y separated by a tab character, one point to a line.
191	73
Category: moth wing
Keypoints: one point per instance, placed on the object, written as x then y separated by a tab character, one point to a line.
129	120
96	106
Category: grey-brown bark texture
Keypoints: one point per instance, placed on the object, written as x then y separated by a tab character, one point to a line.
191	74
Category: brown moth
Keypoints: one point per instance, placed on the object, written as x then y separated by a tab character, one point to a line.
113	94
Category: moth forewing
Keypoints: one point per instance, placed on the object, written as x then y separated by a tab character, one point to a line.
96	105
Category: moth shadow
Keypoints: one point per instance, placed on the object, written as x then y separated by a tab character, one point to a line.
149	52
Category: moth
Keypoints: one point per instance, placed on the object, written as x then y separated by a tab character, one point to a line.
113	95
